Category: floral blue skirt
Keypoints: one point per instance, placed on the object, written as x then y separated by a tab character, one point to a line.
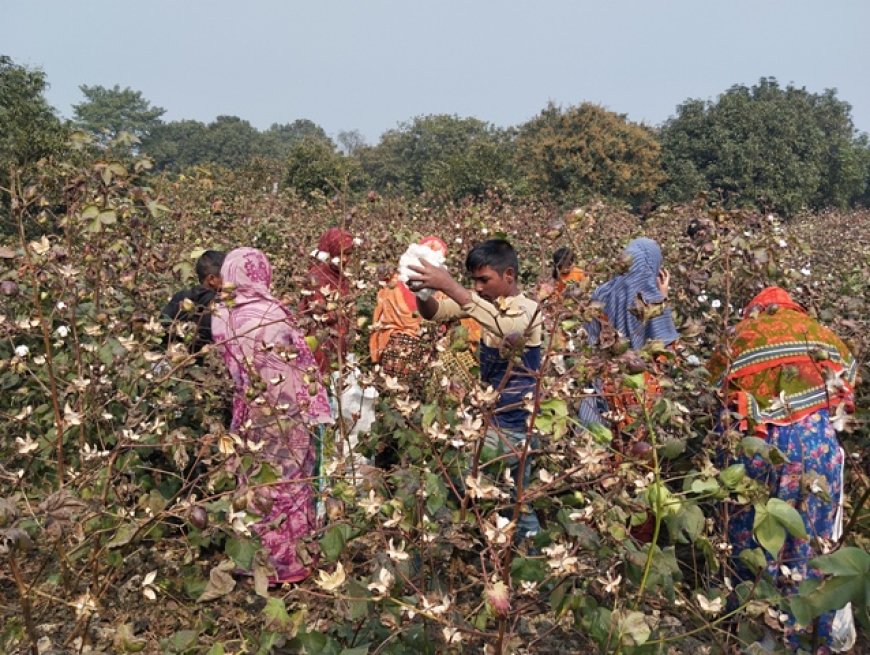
810	480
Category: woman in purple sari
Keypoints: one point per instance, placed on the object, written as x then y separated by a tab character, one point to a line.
278	403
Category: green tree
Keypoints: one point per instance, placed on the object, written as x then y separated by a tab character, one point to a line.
315	166
784	148
228	141
351	141
444	155
107	112
278	141
588	151
29	129
177	144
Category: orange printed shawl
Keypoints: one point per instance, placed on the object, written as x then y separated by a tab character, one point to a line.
783	365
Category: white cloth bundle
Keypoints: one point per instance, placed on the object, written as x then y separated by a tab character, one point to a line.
412	257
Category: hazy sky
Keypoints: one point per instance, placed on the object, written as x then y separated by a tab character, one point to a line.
371	64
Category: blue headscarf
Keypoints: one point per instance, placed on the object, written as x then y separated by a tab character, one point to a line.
619	295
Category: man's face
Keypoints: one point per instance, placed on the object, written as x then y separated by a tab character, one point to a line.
213	282
489	284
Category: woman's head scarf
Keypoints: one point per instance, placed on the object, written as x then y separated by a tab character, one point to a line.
335	241
619	296
251	324
781	365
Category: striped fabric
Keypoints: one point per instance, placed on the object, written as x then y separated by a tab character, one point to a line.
619	296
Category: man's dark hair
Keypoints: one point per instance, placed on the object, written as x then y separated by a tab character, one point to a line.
498	254
209	263
562	257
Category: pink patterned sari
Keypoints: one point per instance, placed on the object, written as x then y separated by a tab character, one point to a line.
278	402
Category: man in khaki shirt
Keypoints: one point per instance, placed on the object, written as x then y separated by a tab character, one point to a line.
510	347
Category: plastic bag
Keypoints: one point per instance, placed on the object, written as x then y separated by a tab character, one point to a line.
843	634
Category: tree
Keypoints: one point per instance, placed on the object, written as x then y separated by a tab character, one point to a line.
444	155
108	112
279	140
228	141
176	145
784	148
29	129
231	141
587	151
314	166
351	141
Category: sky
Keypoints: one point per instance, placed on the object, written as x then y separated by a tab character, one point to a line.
370	65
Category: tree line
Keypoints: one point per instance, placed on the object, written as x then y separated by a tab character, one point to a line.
775	147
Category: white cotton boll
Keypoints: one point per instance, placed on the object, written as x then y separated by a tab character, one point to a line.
716	304
321	256
412	257
22	351
692	360
702	298
806	271
62	331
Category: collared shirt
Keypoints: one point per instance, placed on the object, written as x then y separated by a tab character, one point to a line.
514	315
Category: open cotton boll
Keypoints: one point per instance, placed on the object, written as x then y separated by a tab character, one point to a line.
412	257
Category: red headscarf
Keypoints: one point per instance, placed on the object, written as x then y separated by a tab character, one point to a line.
335	241
435	243
774	296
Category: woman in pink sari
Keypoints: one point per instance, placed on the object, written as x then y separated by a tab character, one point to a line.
278	402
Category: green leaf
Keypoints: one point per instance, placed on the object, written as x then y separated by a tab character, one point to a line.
671	448
108	217
769	532
600	433
359	650
833	594
216	649
429	411
276	614
529	570
787	516
850	568
334	540
123	535
636	381
846	561
686	525
754	559
266	475
357	608
241	550
705	487
631	626
183	640
733	475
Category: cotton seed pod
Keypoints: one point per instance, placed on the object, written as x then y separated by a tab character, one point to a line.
240	501
641	450
199	517
263	503
498	597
